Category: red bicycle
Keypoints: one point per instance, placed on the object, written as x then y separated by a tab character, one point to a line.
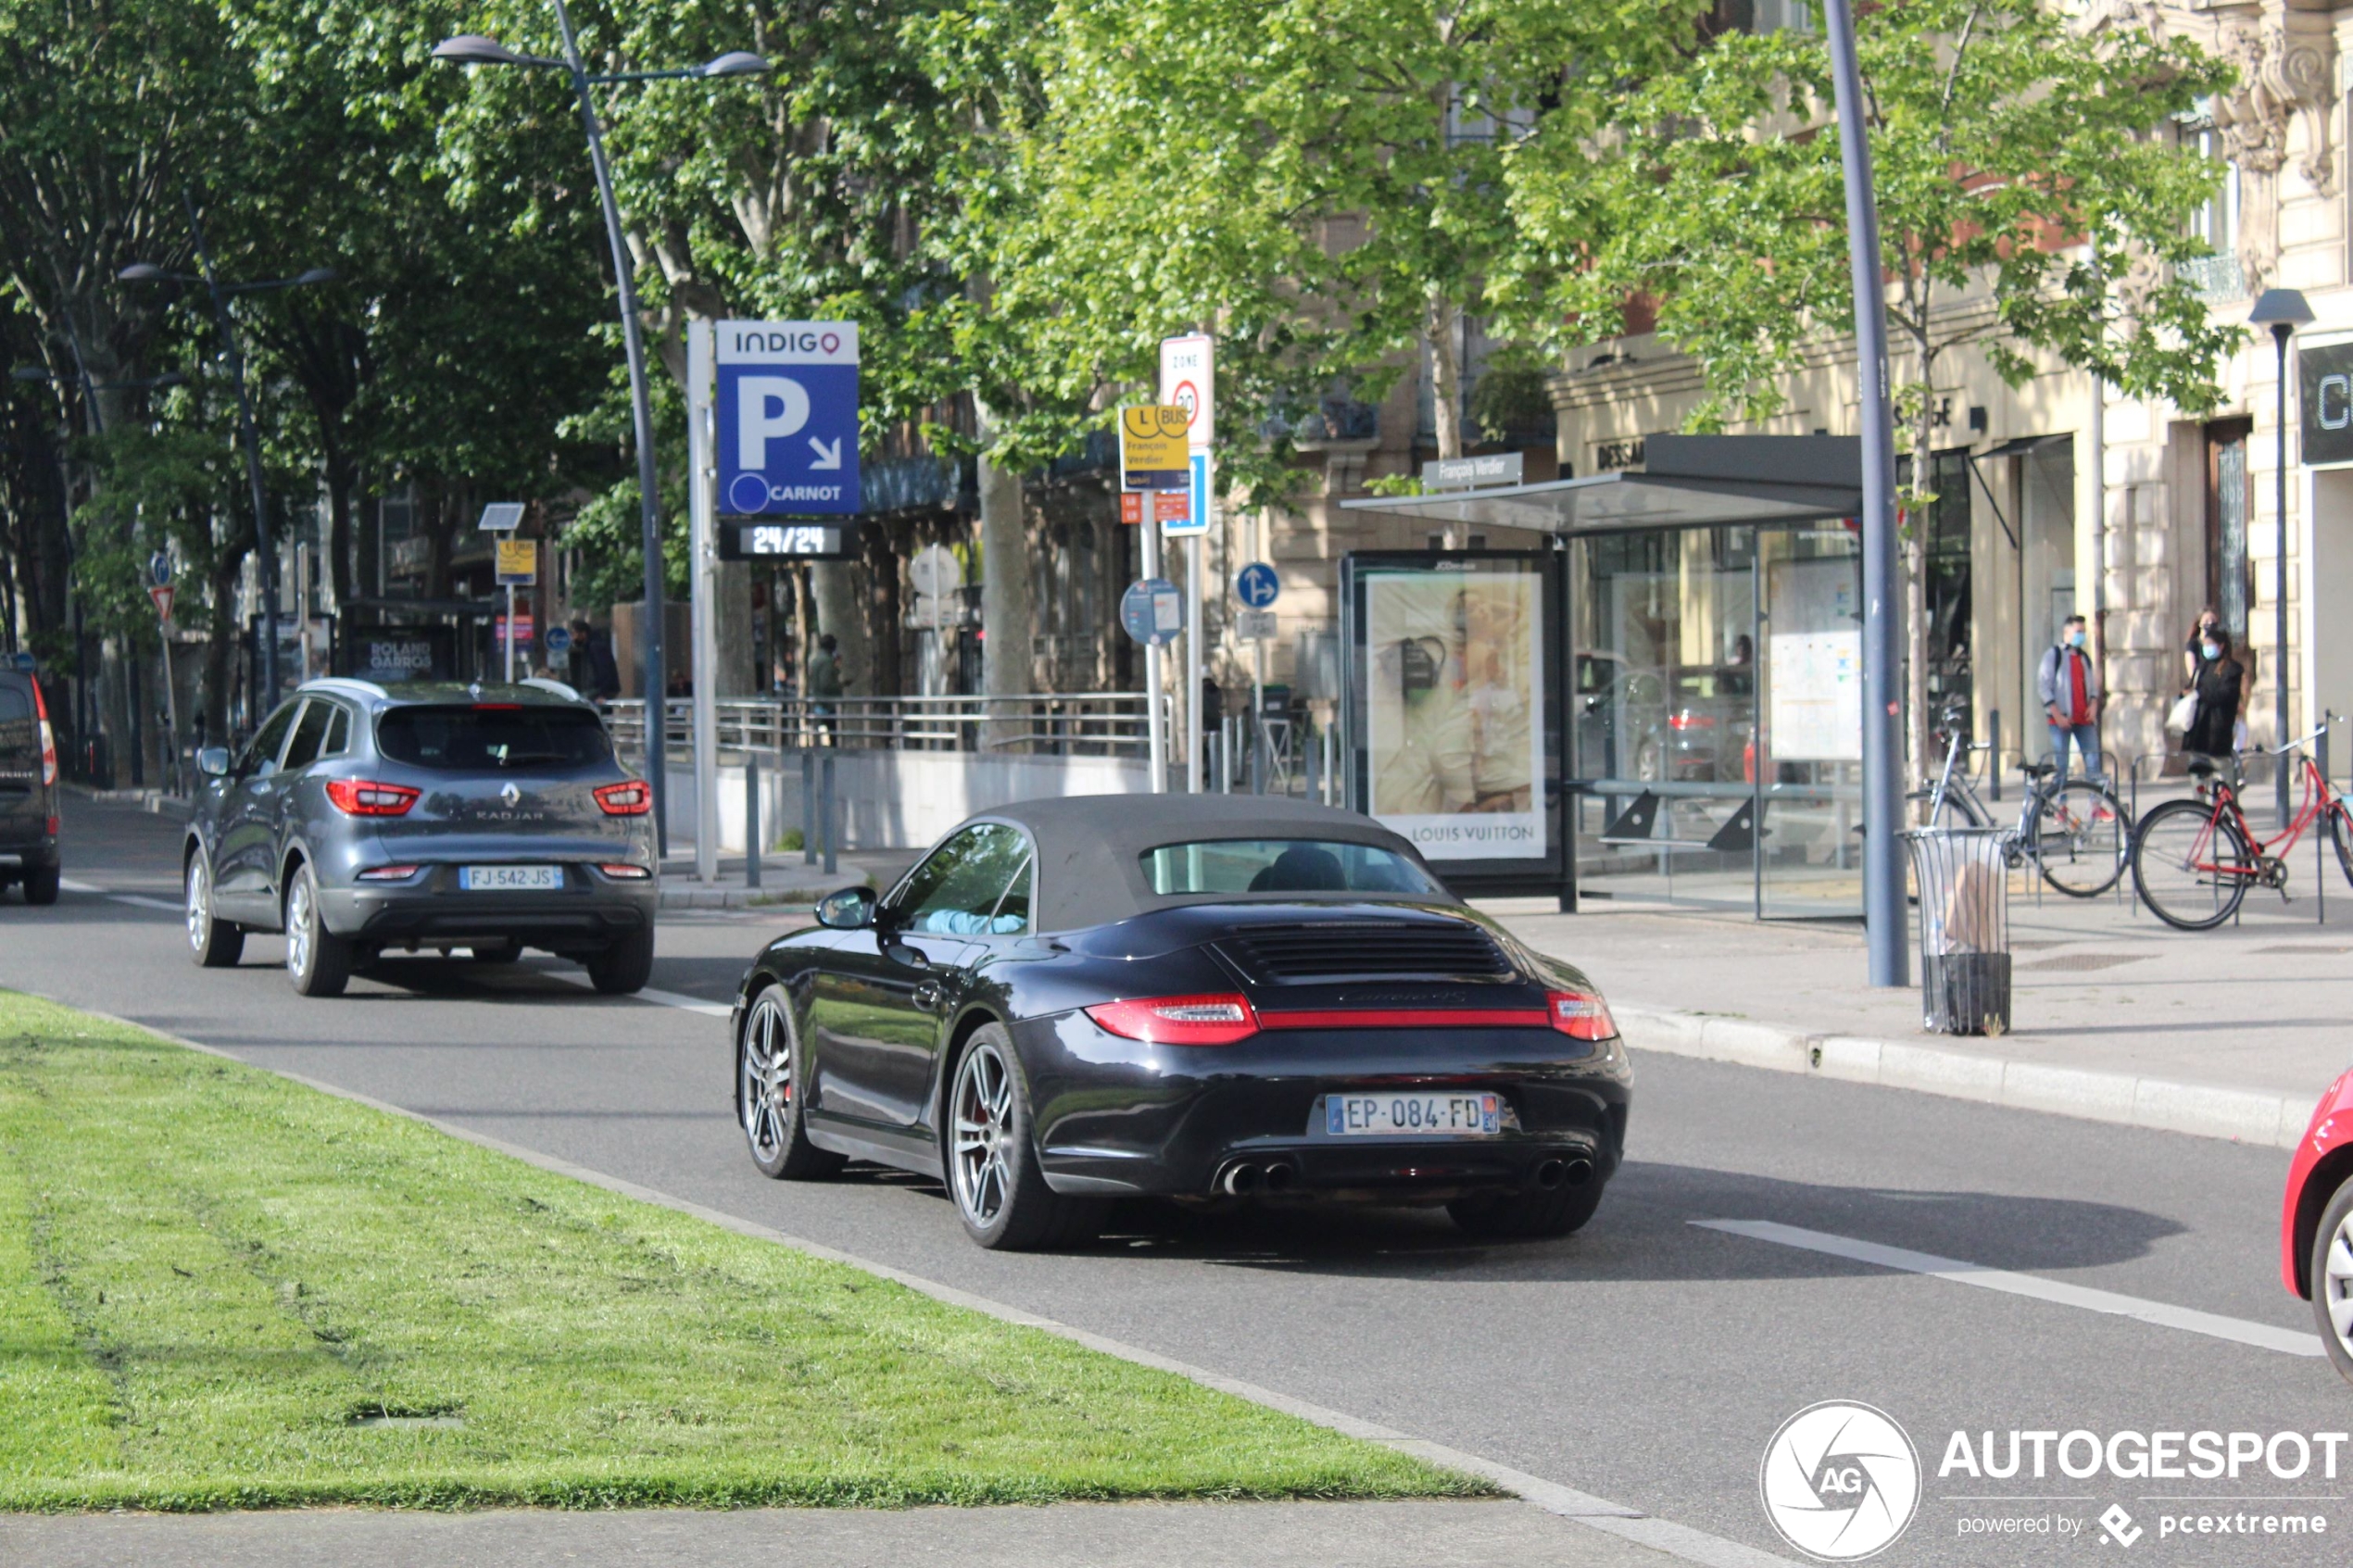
2193	860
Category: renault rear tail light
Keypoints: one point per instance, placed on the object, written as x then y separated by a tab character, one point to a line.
48	744
360	797
1180	1021
1580	1015
632	799
621	871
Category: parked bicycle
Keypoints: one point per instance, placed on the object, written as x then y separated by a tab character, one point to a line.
2193	860
2075	831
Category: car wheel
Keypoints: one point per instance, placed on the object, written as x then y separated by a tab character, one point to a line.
1527	1215
213	942
2332	1276
625	966
40	884
768	1101
317	961
993	1174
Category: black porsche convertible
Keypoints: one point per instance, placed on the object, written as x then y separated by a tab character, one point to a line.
1214	998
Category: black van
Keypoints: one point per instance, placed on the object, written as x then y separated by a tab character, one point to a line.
28	790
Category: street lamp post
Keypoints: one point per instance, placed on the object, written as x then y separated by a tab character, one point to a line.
1884	922
2282	310
474	49
249	433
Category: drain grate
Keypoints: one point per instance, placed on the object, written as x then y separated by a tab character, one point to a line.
2080	962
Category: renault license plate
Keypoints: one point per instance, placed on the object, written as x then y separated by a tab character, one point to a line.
511	879
1395	1115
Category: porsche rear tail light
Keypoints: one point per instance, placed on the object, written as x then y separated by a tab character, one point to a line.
1180	1021
360	797
48	745
632	799
1691	722
1580	1015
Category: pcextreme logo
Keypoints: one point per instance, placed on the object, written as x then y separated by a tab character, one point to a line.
1840	1481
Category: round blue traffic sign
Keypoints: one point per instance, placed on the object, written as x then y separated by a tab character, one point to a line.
1153	611
23	659
1256	585
159	569
559	641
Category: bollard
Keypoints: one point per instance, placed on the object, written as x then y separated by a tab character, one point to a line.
1314	755
1994	756
752	819
828	813
808	807
2324	841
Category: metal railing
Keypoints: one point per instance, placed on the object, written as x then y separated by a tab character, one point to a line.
1037	724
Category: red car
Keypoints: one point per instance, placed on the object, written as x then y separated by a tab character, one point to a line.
2316	1222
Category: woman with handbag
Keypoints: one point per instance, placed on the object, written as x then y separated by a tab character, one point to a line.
2221	690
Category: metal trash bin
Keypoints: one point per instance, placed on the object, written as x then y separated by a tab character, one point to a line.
1962	877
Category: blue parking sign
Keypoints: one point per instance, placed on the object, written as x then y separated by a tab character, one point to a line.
788	418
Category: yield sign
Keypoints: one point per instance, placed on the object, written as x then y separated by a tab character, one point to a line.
161	592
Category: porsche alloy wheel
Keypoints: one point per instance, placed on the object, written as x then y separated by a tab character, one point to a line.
1000	1192
768	1102
2332	1278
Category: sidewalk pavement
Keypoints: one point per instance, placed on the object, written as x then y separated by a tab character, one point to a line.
2231	1033
786	880
1211	1535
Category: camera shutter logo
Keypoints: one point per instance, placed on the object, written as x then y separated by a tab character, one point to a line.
1840	1481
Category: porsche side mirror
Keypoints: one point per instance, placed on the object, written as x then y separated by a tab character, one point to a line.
212	762
847	909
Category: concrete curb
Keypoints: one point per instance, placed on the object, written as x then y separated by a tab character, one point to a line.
2207	1111
682	893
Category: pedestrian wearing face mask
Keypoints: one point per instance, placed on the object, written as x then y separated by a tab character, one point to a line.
2207	621
2220	687
2068	684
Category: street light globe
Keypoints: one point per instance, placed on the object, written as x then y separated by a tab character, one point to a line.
144	272
474	49
317	275
737	62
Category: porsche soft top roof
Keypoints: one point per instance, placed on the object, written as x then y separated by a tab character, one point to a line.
1091	847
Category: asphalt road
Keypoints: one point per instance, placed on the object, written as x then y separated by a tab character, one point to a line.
1648	1360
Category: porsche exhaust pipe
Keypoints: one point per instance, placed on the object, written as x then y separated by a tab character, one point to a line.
1580	1171
1239	1181
1550	1174
1279	1176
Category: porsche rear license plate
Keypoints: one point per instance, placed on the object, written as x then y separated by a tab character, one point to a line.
1454	1115
510	879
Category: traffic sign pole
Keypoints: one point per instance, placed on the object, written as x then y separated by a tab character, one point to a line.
702	496
1187	382
1155	714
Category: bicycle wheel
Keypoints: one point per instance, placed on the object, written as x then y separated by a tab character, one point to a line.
2191	865
2341	832
2080	838
1958	810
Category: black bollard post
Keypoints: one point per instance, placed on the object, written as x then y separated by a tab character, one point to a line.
808	807
752	819
829	815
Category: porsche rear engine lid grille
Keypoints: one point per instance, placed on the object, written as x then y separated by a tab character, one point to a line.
1282	954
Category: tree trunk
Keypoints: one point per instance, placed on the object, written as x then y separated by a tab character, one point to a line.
1921	520
1008	629
1444	332
841	611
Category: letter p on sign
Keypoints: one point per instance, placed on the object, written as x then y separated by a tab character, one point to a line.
768	408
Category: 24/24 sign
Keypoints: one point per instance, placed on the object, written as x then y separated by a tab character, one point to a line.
788	418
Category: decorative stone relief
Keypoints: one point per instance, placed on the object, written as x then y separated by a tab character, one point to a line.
2286	63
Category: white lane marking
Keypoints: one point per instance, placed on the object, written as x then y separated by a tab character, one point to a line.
144	902
1598	1513
665	998
72	886
2262	1335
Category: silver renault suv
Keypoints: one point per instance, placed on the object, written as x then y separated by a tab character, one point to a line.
362	819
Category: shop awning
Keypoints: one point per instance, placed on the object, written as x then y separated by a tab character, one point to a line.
1688	482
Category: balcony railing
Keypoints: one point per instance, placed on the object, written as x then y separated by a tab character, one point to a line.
2214	277
1053	725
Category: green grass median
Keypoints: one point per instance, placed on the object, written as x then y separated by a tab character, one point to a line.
222	1290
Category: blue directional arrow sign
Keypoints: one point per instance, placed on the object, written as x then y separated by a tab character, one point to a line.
1256	585
788	418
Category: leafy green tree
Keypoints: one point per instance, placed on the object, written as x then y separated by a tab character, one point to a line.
2021	165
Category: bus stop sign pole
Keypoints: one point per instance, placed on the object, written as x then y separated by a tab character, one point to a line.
1883	917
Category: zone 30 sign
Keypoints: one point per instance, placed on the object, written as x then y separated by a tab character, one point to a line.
788	418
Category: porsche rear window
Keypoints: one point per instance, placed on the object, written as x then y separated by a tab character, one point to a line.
492	738
1283	865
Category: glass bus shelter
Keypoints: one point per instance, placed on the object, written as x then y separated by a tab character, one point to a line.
1696	688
